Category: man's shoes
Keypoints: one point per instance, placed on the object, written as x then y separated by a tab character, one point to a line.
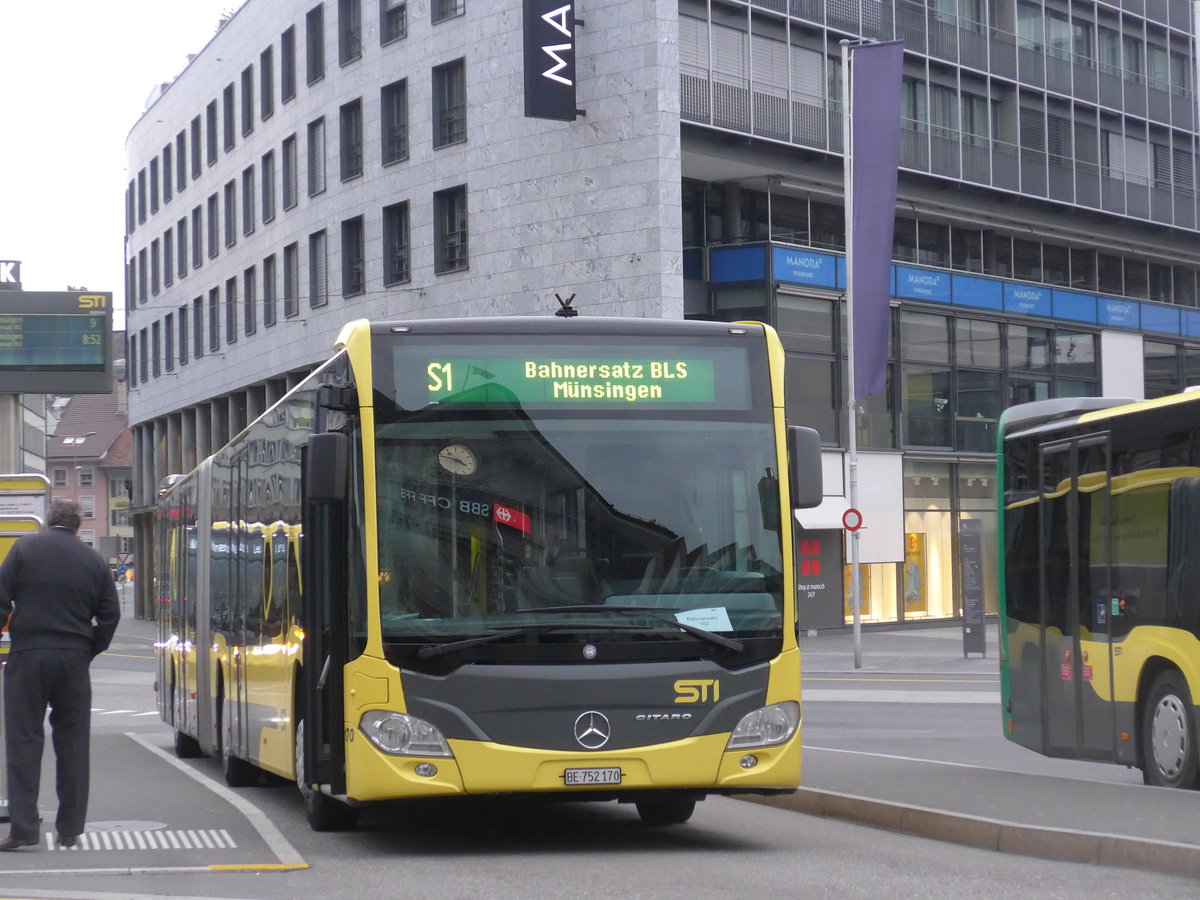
68	840
12	843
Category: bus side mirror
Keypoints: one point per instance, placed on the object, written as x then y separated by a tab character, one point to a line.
804	467
326	468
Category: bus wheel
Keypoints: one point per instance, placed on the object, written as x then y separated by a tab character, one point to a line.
1169	742
666	808
324	813
186	746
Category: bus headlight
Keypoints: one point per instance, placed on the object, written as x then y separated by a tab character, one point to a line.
769	725
400	735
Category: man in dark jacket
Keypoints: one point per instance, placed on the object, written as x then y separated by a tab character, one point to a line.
64	611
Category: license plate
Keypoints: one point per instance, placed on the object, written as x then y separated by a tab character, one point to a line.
576	777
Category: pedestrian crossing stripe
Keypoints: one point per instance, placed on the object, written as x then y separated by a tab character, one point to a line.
191	839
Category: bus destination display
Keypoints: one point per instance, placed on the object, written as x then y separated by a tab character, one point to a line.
52	341
575	381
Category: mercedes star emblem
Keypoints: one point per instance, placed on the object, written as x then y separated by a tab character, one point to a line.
592	730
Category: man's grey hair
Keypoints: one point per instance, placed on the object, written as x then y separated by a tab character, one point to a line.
64	513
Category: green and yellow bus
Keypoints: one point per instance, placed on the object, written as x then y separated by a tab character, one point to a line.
1100	582
541	556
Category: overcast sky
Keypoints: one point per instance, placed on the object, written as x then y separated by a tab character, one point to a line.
74	78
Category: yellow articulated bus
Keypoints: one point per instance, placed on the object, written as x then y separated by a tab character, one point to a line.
1100	582
543	555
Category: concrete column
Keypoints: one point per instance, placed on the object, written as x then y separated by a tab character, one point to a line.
187	439
203	431
10	433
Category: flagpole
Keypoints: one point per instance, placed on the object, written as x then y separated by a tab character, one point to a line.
852	418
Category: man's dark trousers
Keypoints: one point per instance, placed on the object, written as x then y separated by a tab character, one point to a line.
33	679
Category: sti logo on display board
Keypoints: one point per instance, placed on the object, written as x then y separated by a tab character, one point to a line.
550	60
55	342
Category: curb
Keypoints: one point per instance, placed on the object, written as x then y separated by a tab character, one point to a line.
994	834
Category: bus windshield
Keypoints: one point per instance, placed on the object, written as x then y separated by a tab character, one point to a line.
523	519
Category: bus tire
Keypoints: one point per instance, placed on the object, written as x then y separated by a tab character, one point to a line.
1168	733
665	808
324	813
186	746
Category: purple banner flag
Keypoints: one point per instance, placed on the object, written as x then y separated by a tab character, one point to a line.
875	76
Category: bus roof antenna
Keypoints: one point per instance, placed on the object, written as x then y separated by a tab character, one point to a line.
566	310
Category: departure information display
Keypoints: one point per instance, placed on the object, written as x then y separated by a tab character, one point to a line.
55	342
35	341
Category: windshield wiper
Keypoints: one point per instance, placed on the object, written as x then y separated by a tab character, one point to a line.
431	650
731	644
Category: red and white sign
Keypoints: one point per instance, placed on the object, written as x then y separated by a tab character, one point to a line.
852	519
514	518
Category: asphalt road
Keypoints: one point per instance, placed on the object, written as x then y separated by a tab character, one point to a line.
916	754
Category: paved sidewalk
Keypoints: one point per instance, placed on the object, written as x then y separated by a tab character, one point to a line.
1023	811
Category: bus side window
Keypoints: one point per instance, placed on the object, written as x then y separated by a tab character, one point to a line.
1183	562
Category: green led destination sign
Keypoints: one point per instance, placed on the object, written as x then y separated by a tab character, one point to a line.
55	342
574	381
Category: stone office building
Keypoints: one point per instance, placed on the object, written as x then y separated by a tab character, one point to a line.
320	162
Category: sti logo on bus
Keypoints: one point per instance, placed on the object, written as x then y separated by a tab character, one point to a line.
696	690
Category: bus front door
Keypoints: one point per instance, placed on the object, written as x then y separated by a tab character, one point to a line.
1075	565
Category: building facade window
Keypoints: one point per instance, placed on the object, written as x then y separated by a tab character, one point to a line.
213	226
266	83
318	281
232	310
316	156
184	343
181	161
153	186
269	310
349	31
228	115
290	177
197	237
168	247
197	327
249	301
230	213
353	257
450	229
396	269
447	9
196	167
291	280
268	186
247	100
314	42
393	102
449	103
210	128
350	122
168	173
181	246
393	20
214	320
169	342
248	204
287	65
